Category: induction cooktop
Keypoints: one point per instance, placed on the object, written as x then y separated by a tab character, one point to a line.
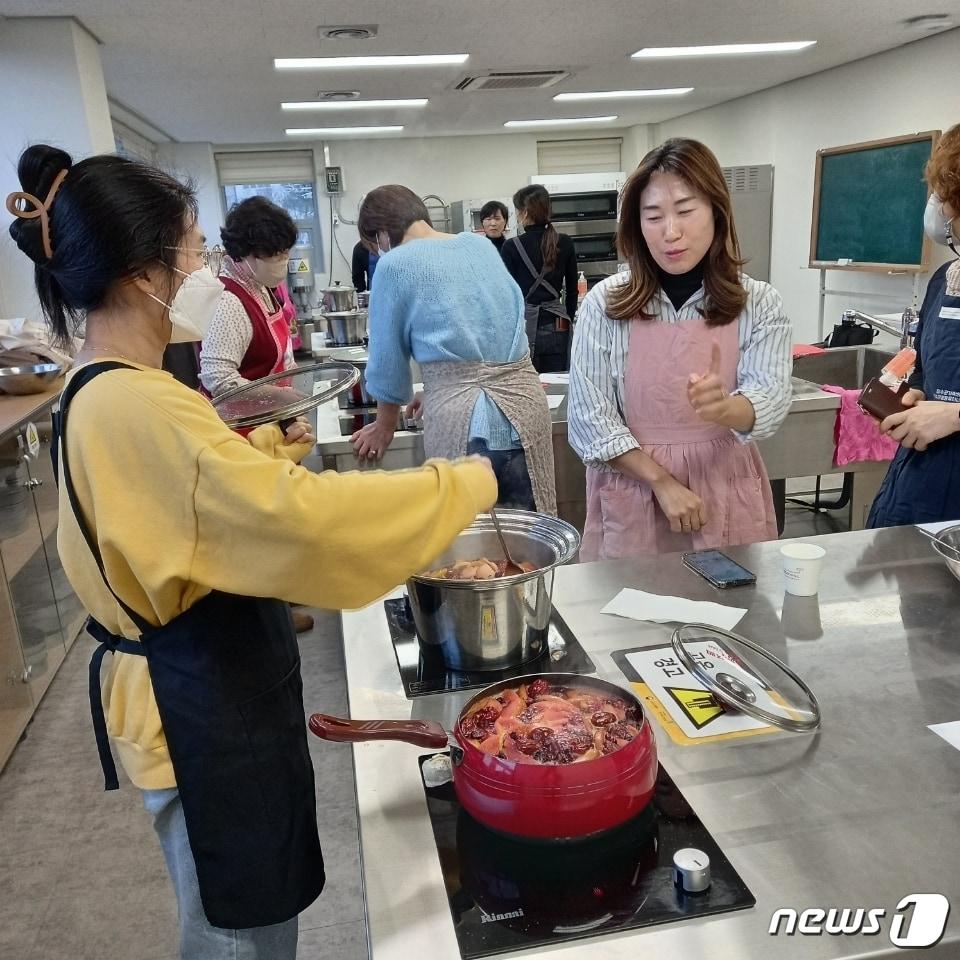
508	894
423	671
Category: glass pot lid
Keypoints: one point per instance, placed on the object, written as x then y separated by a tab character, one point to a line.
284	395
742	675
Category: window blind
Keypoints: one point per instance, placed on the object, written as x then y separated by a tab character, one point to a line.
132	145
601	155
276	166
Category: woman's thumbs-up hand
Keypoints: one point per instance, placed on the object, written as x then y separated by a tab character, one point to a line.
706	393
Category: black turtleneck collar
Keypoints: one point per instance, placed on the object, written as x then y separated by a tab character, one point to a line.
498	242
680	287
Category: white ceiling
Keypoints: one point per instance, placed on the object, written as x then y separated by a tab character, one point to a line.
203	69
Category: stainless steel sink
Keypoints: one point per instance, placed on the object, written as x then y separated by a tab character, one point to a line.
847	367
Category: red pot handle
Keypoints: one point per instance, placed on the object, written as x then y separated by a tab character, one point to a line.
422	733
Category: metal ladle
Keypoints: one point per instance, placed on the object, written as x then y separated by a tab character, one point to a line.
512	568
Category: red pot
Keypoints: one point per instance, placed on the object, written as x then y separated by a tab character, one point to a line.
533	800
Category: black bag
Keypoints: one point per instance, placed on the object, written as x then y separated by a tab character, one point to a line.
849	333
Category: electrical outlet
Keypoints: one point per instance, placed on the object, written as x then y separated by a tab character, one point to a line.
336	220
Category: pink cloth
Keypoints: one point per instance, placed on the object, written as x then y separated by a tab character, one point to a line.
856	434
623	516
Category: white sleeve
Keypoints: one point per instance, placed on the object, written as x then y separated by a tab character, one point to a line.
596	428
766	361
225	345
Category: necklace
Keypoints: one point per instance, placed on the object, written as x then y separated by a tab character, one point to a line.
111	351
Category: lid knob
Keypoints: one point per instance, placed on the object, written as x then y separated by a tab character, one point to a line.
691	870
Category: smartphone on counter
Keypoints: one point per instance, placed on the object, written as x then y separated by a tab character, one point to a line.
717	568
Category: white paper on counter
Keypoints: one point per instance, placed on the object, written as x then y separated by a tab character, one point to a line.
555	378
554	400
949	731
640	605
934	528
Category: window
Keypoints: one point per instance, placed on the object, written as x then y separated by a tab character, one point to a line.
298	199
286	178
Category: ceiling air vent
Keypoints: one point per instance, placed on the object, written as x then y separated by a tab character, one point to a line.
521	80
353	31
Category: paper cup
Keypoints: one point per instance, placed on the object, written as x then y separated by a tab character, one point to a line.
801	568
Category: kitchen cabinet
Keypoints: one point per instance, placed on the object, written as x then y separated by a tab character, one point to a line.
40	615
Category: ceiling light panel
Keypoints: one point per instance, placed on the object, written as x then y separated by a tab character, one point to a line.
562	122
723	49
338	131
624	94
353	104
346	63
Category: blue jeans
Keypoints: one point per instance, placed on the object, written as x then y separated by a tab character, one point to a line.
198	939
510	469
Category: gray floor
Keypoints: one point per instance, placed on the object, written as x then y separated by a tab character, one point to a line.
81	874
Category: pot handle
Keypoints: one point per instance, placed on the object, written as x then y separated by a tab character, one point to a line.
422	733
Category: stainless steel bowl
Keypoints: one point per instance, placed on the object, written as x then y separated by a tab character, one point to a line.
947	544
35	378
347	328
493	624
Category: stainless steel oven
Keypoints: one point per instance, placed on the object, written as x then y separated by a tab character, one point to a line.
595	242
577	207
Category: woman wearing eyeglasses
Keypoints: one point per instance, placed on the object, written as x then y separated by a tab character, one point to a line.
251	334
176	533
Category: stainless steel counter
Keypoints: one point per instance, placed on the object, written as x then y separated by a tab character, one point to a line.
804	446
861	814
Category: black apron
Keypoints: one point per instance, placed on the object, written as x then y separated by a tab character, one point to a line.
226	677
924	486
549	345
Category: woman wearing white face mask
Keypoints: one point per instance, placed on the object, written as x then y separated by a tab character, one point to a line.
251	334
174	530
923	482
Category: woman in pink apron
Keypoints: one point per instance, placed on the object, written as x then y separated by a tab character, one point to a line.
677	367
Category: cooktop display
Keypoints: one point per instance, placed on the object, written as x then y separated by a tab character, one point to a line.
508	894
423	671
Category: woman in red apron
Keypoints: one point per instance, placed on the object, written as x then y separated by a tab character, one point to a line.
677	367
250	336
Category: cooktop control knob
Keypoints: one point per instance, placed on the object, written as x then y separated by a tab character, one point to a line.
691	870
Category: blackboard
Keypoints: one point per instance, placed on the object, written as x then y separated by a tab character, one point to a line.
868	205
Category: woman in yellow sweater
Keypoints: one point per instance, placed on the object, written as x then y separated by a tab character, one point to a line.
183	540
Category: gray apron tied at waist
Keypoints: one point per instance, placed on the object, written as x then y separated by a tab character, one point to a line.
455	386
531	311
226	678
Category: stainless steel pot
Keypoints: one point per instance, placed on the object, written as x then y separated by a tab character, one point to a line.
493	624
337	299
347	328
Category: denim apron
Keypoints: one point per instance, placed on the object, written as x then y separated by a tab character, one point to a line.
226	677
924	486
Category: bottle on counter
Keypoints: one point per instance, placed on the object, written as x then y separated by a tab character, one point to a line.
882	395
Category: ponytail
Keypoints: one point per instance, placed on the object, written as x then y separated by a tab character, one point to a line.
548	246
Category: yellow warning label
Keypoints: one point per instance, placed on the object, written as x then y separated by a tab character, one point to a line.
303	268
700	706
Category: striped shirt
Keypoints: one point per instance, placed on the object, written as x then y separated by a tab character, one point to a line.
597	426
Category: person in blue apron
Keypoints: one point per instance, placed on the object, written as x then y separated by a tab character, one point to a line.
186	542
543	262
923	482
